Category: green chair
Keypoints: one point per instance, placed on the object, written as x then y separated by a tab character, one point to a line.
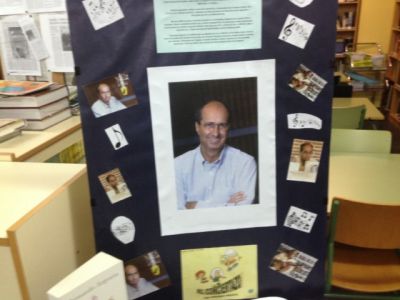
358	140
363	260
351	117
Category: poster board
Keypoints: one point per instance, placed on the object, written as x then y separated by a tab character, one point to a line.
257	58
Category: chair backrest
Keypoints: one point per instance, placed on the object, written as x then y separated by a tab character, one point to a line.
366	225
351	117
358	140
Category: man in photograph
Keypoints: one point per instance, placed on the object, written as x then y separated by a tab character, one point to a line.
137	286
214	174
304	167
106	103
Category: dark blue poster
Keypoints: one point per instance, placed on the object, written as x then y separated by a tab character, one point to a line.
206	126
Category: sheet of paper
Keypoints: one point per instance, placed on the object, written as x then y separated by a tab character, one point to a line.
219	273
40	6
302	3
56	35
116	136
33	37
11	7
307	83
17	56
103	12
198	25
296	31
123	229
293	263
304	121
300	219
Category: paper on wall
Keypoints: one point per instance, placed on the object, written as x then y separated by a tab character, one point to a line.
40	6
103	12
18	58
296	31
116	136
303	121
11	7
33	37
123	229
301	3
56	35
300	219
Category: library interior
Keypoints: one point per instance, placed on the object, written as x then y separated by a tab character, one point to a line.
199	150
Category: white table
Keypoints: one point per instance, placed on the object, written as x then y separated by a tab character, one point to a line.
364	177
372	113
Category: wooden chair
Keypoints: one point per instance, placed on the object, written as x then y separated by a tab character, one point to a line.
357	140
363	251
351	117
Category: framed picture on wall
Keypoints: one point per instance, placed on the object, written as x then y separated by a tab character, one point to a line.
209	123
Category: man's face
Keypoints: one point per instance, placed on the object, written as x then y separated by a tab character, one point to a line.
307	152
213	127
132	275
104	93
112	180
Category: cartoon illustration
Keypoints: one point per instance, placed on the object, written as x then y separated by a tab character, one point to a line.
201	275
230	259
216	274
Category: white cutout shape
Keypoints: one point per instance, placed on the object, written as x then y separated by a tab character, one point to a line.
116	136
296	31
300	219
304	121
301	3
123	229
103	12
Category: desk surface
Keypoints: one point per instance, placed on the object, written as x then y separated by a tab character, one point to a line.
372	113
24	186
364	177
31	143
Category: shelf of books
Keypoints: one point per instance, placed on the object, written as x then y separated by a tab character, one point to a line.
37	123
393	72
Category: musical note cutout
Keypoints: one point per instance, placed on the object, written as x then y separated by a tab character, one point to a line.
102	12
123	229
300	219
116	136
301	3
296	31
304	121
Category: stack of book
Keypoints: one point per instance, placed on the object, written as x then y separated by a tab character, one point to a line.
10	128
40	109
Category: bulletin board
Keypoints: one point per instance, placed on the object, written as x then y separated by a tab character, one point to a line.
268	63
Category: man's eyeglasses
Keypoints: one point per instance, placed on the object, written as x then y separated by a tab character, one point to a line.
219	126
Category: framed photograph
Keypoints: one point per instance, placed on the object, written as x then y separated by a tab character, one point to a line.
214	137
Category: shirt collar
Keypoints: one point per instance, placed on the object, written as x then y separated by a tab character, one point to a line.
216	162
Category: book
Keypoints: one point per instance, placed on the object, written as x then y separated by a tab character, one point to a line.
35	113
18	87
10	128
54	92
101	277
49	121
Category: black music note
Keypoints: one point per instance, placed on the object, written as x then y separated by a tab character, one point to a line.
288	29
116	133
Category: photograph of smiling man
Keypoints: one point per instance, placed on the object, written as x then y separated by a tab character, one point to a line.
214	174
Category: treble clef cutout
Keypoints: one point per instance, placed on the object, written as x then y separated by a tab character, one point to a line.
288	29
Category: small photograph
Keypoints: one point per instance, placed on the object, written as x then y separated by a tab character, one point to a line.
111	94
145	274
114	186
292	263
116	136
307	83
219	273
300	219
304	160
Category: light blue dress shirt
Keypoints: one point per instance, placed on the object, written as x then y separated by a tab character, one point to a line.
212	184
100	108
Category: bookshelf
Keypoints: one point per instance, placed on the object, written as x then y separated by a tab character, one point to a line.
347	23
393	72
